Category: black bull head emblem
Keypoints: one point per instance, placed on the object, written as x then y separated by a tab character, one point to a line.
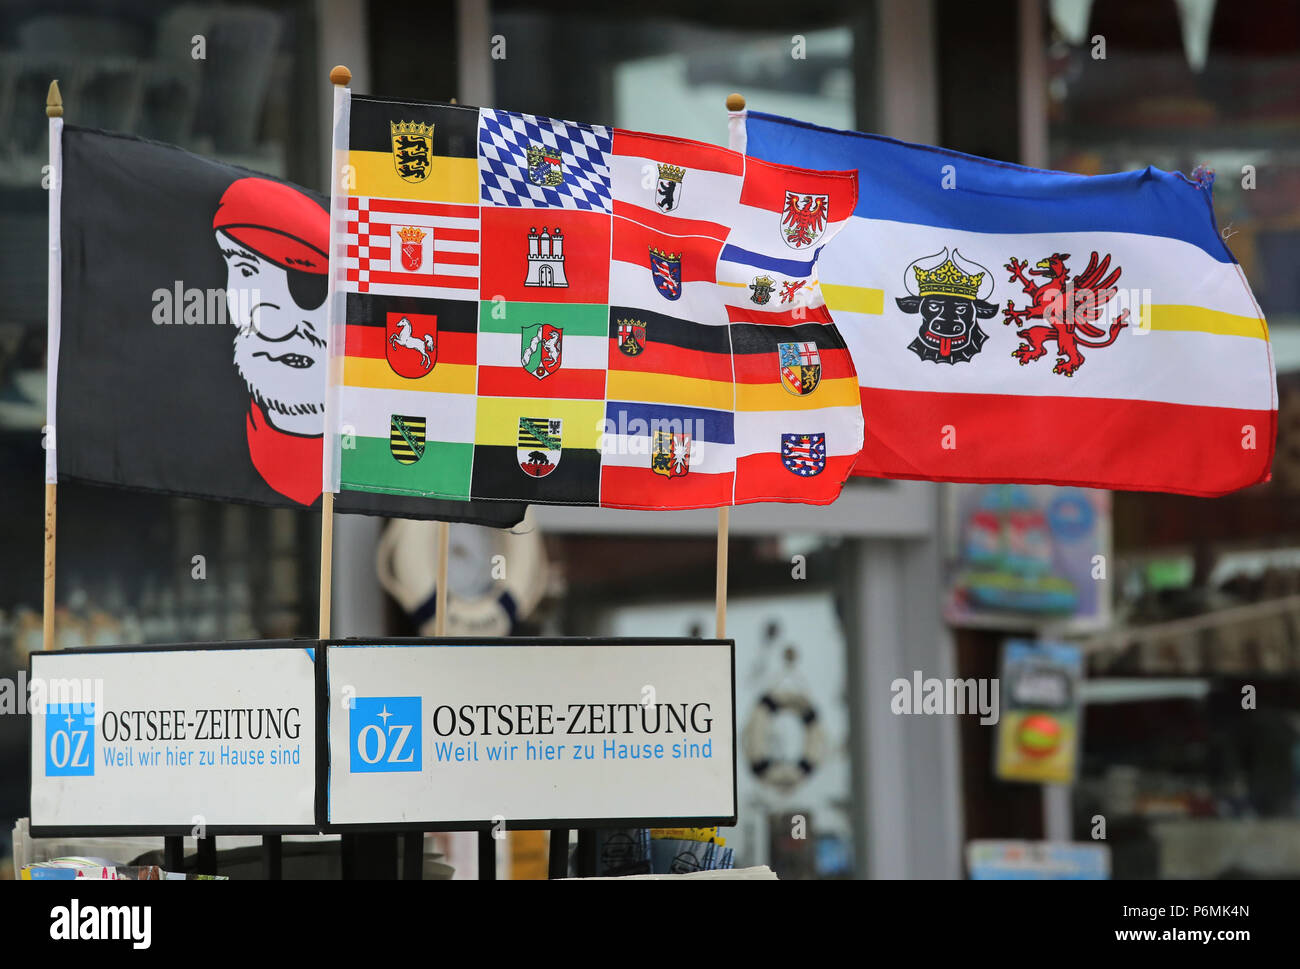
950	331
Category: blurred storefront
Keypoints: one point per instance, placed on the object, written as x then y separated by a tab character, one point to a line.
829	606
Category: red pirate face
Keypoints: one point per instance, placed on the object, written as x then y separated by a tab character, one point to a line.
274	239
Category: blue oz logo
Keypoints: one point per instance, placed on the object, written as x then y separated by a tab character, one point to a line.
385	734
70	740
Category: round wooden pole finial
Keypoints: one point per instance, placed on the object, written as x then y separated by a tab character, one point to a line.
735	102
54	101
453	101
340	75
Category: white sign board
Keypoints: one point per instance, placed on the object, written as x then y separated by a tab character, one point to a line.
530	734
215	740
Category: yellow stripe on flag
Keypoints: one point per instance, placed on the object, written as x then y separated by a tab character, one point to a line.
853	299
449	180
445	378
498	420
839	392
658	388
1201	320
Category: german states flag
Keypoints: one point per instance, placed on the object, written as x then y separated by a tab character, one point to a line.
414	151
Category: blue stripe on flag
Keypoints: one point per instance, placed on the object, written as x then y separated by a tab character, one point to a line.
642	420
787	267
902	182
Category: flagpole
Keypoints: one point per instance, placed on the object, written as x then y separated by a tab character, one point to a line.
340	77
440	592
54	311
735	141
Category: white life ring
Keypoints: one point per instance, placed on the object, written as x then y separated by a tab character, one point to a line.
478	603
785	775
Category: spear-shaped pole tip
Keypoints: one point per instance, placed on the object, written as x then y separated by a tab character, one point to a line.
54	101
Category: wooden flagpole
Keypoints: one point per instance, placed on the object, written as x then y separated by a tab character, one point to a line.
440	592
340	77
735	104
54	305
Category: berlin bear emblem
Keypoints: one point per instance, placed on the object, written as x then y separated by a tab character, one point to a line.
1067	308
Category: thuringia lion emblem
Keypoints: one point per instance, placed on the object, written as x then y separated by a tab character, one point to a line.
1067	308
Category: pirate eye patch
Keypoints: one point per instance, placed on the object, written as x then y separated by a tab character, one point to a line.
307	289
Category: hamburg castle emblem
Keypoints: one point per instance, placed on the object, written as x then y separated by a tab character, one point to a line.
546	258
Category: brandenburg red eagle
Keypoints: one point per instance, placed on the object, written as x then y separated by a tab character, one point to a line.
804	219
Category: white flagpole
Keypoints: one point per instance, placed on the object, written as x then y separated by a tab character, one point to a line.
735	141
53	311
340	77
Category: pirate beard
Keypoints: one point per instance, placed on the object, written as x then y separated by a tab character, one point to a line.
289	396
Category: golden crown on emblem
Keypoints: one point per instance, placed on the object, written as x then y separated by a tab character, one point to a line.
417	128
767	282
410	233
664	255
947	279
671	173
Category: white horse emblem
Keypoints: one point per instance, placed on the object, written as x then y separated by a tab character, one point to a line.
403	338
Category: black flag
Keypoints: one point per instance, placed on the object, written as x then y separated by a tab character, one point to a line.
192	356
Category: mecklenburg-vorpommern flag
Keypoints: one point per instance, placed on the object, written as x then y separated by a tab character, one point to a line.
1016	325
192	339
546	311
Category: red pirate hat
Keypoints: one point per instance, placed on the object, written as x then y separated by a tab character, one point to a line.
277	222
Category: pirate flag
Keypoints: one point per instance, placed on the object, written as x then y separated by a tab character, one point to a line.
191	345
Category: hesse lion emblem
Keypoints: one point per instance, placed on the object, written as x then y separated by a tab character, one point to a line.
804	220
412	345
672	454
666	270
804	454
406	438
541	347
801	367
412	149
539	445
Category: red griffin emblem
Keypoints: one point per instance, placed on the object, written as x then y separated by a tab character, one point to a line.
1067	308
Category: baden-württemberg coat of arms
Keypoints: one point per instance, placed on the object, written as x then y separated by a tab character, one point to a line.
412	149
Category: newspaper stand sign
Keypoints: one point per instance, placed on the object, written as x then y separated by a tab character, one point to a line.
195	740
470	734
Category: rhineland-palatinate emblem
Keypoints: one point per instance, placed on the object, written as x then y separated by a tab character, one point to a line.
545	166
804	454
666	269
412	149
801	367
540	348
803	221
539	445
631	337
671	456
406	438
668	189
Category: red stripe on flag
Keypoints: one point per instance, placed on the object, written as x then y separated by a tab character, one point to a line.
406	207
764	368
437	280
741	314
372	341
1089	442
670	224
665	358
691	155
699	256
622	487
767	183
517	382
763	477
